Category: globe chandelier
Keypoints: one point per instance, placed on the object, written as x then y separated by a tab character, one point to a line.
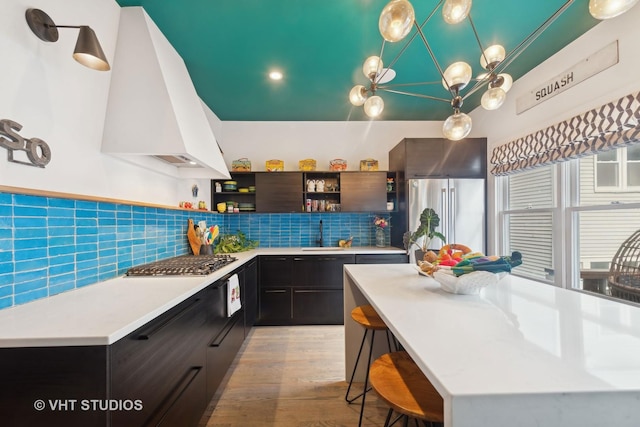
397	19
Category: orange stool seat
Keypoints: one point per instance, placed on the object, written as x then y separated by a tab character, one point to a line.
400	383
366	316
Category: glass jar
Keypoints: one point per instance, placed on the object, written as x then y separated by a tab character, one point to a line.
380	238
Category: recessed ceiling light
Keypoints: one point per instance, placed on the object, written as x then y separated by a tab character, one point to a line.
275	75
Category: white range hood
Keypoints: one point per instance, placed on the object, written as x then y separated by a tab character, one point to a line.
154	116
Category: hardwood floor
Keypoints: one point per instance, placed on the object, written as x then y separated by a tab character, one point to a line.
290	377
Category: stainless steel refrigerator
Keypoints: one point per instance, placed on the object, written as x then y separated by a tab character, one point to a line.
460	204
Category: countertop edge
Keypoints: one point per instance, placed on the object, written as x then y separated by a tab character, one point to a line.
39	324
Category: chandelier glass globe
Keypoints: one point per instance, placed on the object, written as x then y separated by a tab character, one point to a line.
457	75
396	20
492	56
457	126
606	9
455	11
358	95
372	67
373	106
507	81
493	98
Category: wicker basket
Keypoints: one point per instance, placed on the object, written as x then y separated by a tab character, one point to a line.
624	274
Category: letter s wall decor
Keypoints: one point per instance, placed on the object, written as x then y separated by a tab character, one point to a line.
38	151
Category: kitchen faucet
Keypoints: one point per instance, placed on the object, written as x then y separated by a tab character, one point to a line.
319	241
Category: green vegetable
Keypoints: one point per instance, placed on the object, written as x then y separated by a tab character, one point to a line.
230	243
501	264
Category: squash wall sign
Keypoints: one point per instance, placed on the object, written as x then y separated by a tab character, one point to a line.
37	151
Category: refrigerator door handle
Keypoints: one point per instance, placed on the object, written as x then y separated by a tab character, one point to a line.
444	215
452	209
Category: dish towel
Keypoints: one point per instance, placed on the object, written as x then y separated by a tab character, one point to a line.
233	295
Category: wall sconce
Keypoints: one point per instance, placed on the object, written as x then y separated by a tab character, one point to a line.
87	52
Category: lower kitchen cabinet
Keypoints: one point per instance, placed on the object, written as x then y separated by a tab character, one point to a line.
317	306
275	306
162	374
301	290
160	363
44	386
250	293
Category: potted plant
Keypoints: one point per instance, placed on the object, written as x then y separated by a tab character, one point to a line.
429	221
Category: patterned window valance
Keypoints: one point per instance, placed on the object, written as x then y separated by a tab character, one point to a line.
608	127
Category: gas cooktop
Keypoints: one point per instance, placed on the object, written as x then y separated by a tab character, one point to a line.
185	265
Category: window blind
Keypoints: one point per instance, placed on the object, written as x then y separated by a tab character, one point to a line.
607	127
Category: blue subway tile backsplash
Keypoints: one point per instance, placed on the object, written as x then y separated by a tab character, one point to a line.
51	245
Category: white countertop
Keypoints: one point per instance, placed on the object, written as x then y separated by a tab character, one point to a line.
102	313
521	353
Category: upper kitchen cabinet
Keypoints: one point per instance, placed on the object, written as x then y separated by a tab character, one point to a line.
363	191
279	192
439	157
154	116
321	191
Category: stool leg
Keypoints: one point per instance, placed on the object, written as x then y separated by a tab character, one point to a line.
386	421
346	396
366	379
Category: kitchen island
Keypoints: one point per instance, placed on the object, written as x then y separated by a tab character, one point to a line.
520	354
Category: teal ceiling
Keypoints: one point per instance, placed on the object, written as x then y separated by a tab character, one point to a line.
230	46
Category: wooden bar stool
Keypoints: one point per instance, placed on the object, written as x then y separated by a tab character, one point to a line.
366	316
400	383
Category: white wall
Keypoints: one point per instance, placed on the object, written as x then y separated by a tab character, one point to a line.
62	102
505	125
322	141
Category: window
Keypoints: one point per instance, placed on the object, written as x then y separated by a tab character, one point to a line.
618	170
528	219
569	219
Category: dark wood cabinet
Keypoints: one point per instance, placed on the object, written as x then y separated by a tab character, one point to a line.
279	192
439	157
60	376
318	306
165	372
224	333
286	192
275	306
250	293
302	290
244	200
159	359
363	191
323	194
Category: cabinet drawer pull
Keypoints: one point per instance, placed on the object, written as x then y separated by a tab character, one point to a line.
313	291
275	259
167	322
275	291
178	391
217	341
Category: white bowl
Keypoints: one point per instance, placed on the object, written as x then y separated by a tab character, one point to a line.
467	284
